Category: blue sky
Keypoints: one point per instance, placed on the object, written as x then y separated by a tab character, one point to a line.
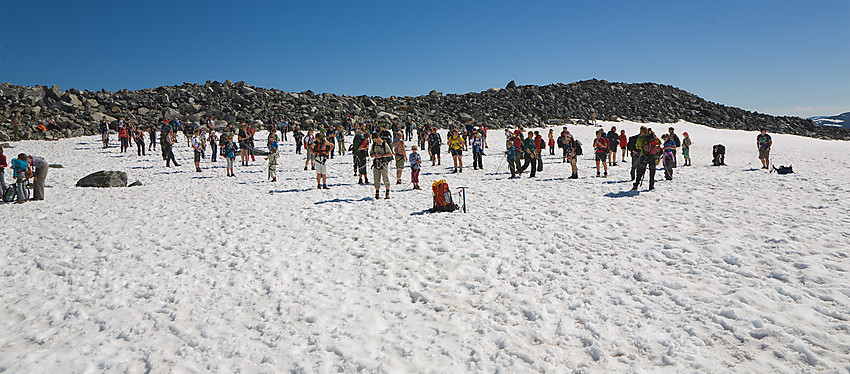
776	57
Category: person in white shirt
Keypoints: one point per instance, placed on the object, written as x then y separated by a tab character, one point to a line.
197	145
308	142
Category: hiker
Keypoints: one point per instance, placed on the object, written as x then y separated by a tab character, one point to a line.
613	141
243	143
400	155
600	146
718	154
764	142
3	167
686	148
434	143
571	150
38	167
124	137
477	151
675	138
650	148
213	139
167	145
308	142
510	155
251	132
668	147
529	155
104	132
634	152
623	144
321	149
140	142
551	142
297	135
456	144
152	136
229	150
340	139
272	159
21	170
381	154
539	144
361	152
562	144
199	150
415	166
516	143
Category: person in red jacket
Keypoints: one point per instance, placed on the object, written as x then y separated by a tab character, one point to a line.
539	144
3	166
623	142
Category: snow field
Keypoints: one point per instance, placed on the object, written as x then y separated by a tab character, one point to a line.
721	269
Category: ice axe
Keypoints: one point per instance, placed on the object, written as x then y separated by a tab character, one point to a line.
463	193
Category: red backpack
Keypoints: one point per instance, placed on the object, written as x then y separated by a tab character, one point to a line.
442	197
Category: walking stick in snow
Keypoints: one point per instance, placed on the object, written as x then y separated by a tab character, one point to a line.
463	193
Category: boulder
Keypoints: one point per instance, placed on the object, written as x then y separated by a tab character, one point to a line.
53	92
104	179
260	152
135	184
511	84
387	115
464	117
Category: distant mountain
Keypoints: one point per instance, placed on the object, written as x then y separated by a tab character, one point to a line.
841	120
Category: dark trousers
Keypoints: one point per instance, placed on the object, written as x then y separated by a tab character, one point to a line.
297	146
214	151
539	162
169	156
551	149
153	142
140	147
635	161
646	161
125	143
512	167
668	162
477	160
361	164
528	161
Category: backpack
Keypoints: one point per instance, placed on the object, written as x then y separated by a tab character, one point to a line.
783	169
442	197
653	146
577	146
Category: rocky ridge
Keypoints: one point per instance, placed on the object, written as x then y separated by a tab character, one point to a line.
78	112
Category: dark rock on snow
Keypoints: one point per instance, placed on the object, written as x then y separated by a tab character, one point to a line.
104	179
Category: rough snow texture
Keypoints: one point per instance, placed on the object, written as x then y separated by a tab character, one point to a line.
721	269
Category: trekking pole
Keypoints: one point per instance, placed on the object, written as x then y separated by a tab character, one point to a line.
463	193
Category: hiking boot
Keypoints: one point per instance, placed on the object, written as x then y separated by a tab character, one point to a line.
454	171
313	167
614	164
377	195
398	181
605	174
305	168
274	179
325	186
574	176
597	174
388	194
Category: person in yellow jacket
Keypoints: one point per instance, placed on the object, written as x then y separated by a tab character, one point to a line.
456	144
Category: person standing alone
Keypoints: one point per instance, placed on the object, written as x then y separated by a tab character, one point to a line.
764	142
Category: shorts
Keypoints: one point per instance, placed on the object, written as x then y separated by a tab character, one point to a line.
601	157
399	163
197	156
456	152
435	149
764	153
321	168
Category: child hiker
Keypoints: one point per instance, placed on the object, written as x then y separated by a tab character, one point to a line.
415	166
272	157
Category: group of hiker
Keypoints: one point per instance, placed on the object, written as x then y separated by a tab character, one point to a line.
385	144
23	167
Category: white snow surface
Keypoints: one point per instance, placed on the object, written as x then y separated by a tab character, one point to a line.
722	269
